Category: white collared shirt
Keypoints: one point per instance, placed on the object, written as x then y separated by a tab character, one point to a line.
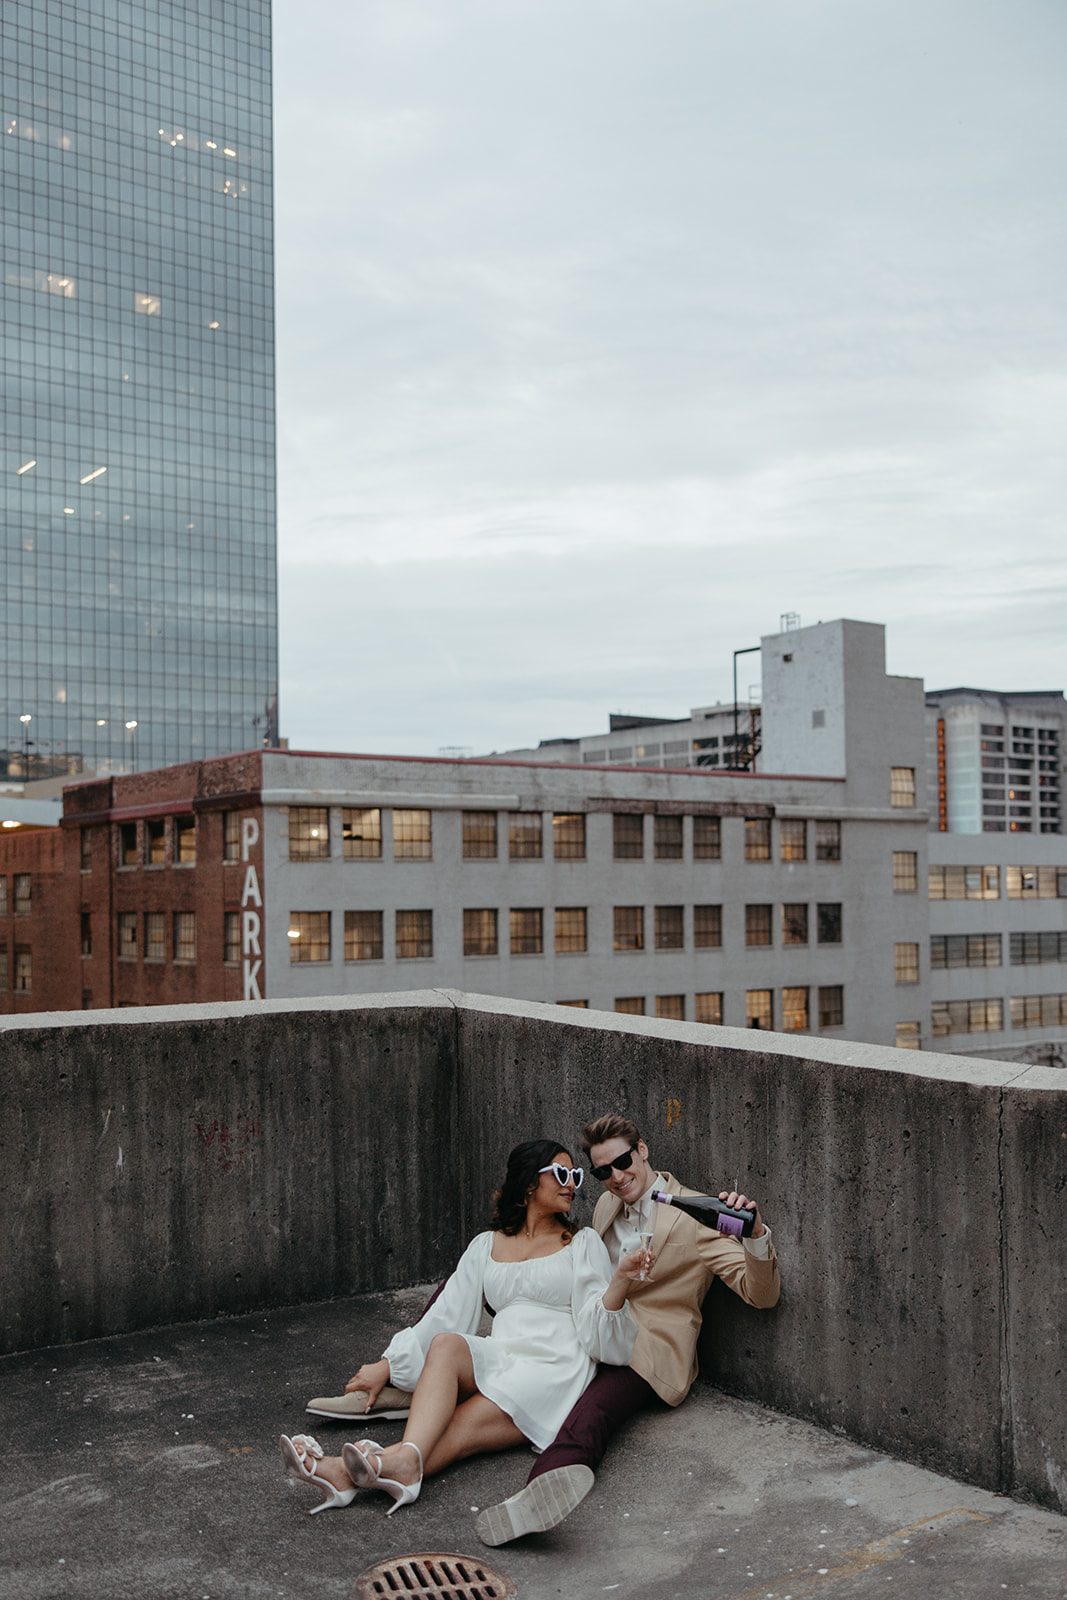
624	1234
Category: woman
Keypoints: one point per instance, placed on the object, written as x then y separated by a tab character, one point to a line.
559	1311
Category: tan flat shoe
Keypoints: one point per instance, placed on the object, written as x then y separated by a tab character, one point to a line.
393	1405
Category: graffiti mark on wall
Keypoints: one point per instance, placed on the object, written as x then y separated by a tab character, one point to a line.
674	1113
231	1145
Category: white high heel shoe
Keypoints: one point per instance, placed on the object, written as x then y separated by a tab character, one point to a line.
296	1465
403	1493
360	1466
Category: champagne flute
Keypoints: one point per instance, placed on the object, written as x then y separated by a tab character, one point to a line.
646	1246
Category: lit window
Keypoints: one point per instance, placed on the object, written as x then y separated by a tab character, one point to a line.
364	940
185	936
1037	1010
967	1016
831	1006
155	935
671	1006
524	835
414	935
828	841
231	938
631	1005
759	1008
309	833
571	930
480	932
795	924
568	837
905	871
231	836
669	928
667	836
907	1036
794	1010
412	836
23	971
906	963
707	838
793	839
526	925
902	786
185	841
629	927
156	841
479	835
758	925
580	1005
309	936
708	1008
828	923
757	838
23	894
127	936
629	835
148	305
1036	883
361	833
707	928
965	883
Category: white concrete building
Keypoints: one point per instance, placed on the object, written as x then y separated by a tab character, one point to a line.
994	761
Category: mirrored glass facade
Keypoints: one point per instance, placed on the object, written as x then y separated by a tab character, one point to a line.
137	489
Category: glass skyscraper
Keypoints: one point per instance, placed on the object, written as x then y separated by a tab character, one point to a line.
137	348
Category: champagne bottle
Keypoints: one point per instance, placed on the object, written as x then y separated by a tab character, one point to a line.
711	1212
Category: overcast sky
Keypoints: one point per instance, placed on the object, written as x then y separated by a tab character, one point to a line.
610	330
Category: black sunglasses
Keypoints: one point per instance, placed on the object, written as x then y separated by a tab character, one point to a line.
621	1163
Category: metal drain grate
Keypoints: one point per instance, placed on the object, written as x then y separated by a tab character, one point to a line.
435	1574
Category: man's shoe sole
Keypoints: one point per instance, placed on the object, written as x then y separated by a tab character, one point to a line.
543	1504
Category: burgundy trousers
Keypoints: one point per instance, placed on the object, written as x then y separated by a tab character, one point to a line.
612	1398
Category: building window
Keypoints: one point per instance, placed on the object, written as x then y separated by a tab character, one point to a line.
87	933
1034	1010
905	871
964	883
669	928
828	841
309	833
757	838
628	828
23	971
795	1010
1033	949
759	1008
708	1008
86	850
364	940
758	925
795	924
3	966
479	836
707	927
127	936
361	833
831	1006
414	935
966	1016
156	841
1036	883
572	934
568	837
579	1005
964	950
23	894
185	935
671	1006
128	844
155	936
480	932
231	934
309	936
828	923
906	963
902	786
631	1005
667	838
412	836
793	839
231	836
524	835
629	927
907	1037
707	838
185	841
527	931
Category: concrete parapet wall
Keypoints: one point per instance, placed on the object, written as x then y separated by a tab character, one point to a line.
175	1163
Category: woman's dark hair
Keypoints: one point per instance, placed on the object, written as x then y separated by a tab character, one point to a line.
522	1176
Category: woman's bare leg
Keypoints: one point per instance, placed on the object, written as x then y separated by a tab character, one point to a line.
446	1379
476	1426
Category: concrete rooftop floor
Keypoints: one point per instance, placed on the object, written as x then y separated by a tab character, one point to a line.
147	1465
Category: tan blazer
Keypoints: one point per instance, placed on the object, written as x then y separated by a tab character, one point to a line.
667	1307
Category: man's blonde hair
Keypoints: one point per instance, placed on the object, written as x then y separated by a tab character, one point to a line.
612	1125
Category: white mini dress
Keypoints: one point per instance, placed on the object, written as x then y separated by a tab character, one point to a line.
549	1332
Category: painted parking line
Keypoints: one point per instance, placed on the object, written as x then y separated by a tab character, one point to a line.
890	1548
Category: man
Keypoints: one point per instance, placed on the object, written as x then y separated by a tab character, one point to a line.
686	1257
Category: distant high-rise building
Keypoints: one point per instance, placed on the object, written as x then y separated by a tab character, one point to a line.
137	487
994	760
